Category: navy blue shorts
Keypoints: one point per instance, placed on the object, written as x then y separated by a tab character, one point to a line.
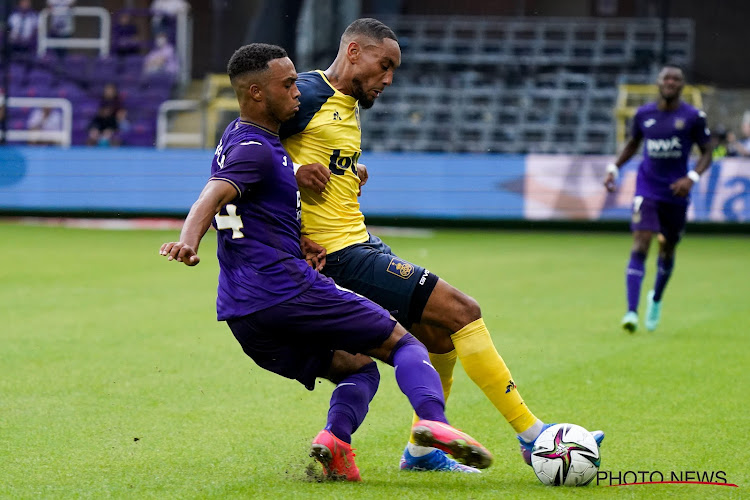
296	338
373	270
659	217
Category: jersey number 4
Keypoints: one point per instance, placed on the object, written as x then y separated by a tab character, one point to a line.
230	221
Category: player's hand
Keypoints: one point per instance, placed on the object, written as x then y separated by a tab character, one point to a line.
315	255
610	183
176	250
313	176
363	176
682	186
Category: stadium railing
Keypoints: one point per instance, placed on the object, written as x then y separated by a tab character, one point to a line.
100	43
166	137
62	137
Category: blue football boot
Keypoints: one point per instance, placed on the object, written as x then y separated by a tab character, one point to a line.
436	460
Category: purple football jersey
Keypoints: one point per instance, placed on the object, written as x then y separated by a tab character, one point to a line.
260	261
668	138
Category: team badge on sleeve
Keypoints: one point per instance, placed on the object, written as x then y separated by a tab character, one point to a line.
400	268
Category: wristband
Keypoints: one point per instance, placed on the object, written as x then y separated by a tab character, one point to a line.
694	176
612	169
296	167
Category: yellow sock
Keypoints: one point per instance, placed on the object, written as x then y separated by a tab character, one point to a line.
488	370
444	364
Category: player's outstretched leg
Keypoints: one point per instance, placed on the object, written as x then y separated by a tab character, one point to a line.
421	458
450	440
653	312
527	447
419	381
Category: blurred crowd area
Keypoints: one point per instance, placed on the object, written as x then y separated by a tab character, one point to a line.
115	84
519	77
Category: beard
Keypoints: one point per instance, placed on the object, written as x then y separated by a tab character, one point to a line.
358	92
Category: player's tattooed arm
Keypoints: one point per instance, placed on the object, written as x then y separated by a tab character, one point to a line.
315	255
215	195
363	176
313	176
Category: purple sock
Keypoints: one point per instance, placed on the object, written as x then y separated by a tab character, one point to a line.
663	272
634	277
351	400
418	379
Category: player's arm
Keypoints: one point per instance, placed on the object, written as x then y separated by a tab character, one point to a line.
215	195
312	176
613	169
701	136
314	254
363	176
683	185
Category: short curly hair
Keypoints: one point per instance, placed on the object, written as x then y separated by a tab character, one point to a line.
252	58
369	27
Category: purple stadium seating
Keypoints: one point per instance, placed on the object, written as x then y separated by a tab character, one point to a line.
80	78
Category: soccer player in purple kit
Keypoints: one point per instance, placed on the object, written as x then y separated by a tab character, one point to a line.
670	128
287	317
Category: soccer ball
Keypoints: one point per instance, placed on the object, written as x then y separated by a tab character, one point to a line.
565	454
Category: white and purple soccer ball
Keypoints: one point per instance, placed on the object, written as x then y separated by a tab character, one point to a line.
565	455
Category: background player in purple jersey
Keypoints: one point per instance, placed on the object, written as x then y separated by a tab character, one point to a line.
669	129
287	317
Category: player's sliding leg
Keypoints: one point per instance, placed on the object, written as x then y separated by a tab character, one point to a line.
419	381
455	311
349	404
427	458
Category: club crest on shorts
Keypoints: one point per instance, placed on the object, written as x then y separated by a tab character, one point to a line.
400	268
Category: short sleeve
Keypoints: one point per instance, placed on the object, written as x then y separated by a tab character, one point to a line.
700	133
245	164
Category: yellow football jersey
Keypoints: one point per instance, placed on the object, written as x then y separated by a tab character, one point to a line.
326	130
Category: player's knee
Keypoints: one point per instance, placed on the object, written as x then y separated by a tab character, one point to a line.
466	311
407	341
370	370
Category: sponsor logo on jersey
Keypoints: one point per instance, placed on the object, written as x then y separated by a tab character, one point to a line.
649	122
400	268
664	148
423	279
338	164
336	116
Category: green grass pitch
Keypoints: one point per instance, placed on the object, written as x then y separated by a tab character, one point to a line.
117	382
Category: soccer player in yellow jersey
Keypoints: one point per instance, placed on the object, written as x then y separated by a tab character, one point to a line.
324	141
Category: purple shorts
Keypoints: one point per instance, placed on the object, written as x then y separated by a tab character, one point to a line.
659	217
296	339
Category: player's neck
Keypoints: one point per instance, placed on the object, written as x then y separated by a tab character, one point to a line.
668	104
336	78
261	121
